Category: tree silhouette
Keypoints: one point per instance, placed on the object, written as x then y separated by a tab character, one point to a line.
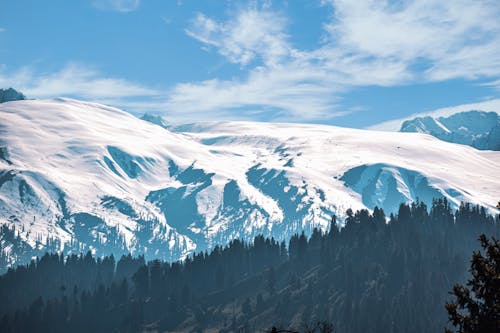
476	307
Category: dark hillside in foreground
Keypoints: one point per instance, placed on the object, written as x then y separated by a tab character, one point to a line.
366	277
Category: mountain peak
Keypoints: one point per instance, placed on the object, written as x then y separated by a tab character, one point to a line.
155	119
478	129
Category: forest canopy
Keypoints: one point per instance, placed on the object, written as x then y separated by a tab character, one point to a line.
375	274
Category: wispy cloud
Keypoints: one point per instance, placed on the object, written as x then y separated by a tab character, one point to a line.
495	84
76	80
448	37
365	43
123	6
278	80
2	29
282	94
251	34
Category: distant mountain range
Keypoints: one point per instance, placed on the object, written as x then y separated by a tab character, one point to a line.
478	129
78	176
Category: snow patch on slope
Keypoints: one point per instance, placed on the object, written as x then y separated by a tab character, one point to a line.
95	177
387	186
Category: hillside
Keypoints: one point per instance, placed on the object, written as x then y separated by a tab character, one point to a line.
369	276
76	176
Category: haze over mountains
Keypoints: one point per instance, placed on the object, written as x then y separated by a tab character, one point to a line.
76	176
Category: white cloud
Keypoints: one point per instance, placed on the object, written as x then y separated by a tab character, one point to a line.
75	80
251	34
411	29
285	92
365	43
122	6
3	29
395	125
447	39
495	84
280	79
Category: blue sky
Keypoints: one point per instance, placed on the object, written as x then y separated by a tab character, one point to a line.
348	63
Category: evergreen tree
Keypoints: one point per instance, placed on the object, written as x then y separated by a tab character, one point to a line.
372	275
476	307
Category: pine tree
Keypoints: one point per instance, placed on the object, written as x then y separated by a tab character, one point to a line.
476	307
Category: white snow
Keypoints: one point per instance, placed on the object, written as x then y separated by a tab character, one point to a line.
441	126
62	144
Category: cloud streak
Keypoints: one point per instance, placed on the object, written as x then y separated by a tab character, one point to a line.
251	34
365	43
447	37
122	6
278	81
76	80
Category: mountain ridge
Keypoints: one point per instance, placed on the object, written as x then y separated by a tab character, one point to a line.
478	129
89	176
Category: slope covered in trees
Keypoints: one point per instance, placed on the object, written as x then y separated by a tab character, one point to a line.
369	276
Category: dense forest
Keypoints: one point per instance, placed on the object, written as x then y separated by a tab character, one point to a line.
375	274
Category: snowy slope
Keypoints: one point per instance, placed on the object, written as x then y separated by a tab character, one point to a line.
77	176
478	129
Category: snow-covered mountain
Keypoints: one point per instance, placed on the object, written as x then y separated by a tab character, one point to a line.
478	129
77	176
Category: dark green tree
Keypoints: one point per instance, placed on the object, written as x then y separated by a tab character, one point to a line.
246	307
476	307
141	281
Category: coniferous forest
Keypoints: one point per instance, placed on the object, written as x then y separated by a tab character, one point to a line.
368	276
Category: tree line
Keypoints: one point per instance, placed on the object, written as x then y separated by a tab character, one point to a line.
373	274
